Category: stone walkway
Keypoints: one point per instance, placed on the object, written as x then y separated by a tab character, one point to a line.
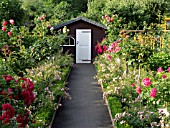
86	109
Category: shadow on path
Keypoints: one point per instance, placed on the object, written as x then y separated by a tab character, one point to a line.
86	109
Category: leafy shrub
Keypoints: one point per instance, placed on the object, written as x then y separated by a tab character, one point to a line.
11	9
159	59
134	13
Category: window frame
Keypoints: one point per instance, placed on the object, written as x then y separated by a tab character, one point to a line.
70	37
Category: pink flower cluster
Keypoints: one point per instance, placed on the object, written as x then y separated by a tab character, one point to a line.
22	119
100	49
146	82
153	93
4	26
108	18
138	89
168	69
8	114
109	57
27	91
160	69
114	47
8	78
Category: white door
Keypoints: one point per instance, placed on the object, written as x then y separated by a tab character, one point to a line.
83	45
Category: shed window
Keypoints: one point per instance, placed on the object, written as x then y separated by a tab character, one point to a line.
69	41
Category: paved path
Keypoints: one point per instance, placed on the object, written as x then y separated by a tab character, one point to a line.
87	108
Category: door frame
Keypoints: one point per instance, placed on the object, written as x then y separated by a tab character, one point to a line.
90	46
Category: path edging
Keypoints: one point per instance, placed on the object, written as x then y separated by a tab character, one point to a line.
60	98
106	102
108	107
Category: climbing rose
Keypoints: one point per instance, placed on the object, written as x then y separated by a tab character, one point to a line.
4	29
9	113
114	47
146	82
4	23
22	120
164	76
153	93
104	47
8	78
99	51
160	69
11	21
138	89
168	69
27	91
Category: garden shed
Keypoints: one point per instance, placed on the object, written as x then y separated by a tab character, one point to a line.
83	36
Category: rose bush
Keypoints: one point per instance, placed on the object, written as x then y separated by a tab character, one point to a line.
22	48
139	93
33	73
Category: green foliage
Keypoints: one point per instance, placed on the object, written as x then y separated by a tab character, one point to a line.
11	9
95	9
62	11
25	49
50	80
38	7
159	59
133	12
115	104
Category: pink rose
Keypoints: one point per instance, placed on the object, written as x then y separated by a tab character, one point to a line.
146	82
104	47
4	29
118	41
168	69
133	85
11	21
138	89
5	23
164	76
153	93
99	51
160	69
9	33
109	57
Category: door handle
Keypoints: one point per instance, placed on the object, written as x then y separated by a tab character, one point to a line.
77	42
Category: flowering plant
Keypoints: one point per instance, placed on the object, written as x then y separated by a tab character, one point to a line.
16	97
22	48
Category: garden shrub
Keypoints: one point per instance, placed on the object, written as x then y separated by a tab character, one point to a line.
159	59
115	104
122	70
135	13
24	49
12	9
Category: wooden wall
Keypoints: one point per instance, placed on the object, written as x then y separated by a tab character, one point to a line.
97	35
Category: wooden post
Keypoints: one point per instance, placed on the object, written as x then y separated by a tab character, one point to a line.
138	81
127	70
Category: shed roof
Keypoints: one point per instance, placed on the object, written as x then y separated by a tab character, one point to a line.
78	19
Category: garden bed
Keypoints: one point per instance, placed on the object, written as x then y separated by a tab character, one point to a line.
60	97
